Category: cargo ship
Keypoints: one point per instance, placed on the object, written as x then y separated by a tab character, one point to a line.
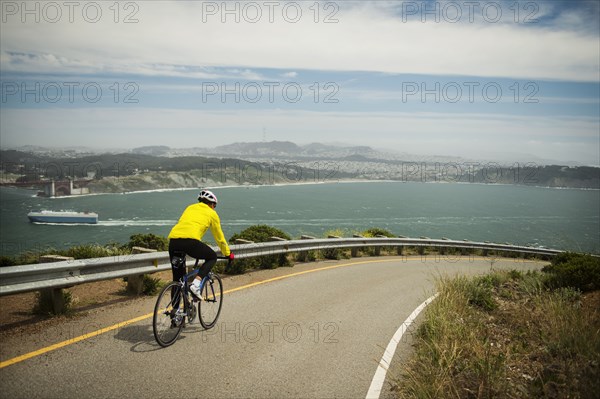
63	217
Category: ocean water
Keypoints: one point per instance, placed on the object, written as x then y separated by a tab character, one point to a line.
554	218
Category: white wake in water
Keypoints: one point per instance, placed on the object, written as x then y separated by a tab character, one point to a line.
135	222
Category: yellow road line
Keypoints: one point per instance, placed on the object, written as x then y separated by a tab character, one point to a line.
305	272
149	315
71	341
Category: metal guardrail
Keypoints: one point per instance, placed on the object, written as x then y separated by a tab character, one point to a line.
25	278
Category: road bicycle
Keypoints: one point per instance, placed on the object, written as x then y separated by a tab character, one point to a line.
176	303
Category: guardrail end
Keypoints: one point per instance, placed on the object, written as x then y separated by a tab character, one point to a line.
274	238
55	258
305	237
242	241
142	250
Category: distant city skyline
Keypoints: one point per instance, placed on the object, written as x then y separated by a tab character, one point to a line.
502	80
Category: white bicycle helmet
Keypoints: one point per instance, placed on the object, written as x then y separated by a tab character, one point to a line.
207	195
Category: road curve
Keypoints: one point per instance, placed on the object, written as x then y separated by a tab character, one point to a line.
314	335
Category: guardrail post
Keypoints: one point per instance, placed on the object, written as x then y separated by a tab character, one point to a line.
354	250
26	278
282	259
53	299
332	253
464	251
135	283
377	250
306	256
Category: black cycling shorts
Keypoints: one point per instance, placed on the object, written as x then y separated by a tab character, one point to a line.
195	249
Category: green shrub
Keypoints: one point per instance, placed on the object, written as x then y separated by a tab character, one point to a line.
150	241
579	271
88	251
332	253
515	275
43	304
335	253
492	280
151	285
238	266
306	256
376	231
480	295
8	261
259	233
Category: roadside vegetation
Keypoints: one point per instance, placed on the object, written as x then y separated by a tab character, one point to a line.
507	334
256	233
88	251
510	334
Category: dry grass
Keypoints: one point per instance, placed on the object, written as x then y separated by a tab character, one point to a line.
504	335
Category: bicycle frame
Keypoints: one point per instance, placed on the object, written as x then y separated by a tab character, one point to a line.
170	316
184	280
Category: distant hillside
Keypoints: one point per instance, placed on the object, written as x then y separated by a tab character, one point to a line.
158	150
289	150
281	148
564	176
132	172
277	162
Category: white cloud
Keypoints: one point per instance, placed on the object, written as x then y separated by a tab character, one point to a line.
366	38
183	39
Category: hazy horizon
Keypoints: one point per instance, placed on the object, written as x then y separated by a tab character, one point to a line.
502	80
491	156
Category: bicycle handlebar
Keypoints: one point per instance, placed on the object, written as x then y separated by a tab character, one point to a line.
218	257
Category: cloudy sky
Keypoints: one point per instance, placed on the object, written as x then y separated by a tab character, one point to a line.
503	80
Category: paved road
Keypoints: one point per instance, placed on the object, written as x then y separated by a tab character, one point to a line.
319	334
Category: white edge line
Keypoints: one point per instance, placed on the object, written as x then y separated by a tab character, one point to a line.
386	359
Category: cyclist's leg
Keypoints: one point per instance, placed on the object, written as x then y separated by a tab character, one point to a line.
177	245
200	250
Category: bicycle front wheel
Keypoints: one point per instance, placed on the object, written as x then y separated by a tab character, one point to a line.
168	315
209	307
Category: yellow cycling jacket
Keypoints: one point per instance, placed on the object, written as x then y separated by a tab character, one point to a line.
195	220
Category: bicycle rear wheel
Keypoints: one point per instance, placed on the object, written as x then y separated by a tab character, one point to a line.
168	317
209	307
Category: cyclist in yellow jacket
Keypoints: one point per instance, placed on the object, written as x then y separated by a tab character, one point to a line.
187	234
